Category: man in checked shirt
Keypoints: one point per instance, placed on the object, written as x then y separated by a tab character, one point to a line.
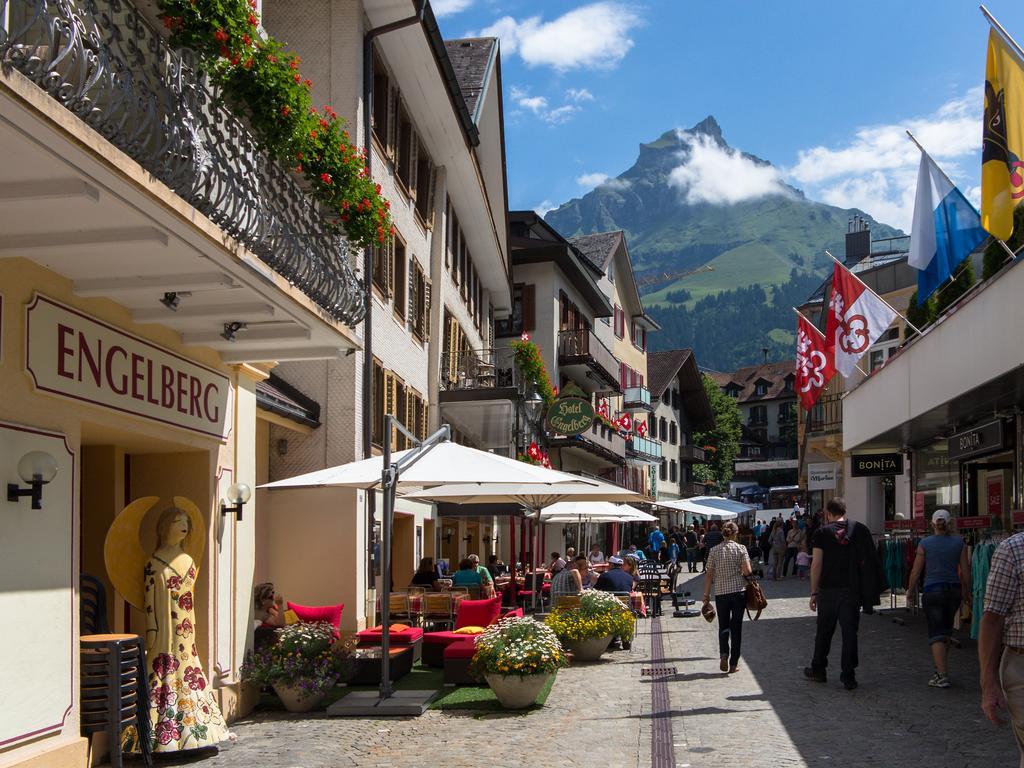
1002	634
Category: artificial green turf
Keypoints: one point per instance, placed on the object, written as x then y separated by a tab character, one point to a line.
421	678
482	698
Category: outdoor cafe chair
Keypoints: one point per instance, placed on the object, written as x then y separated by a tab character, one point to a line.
460	590
567	602
437	609
398	607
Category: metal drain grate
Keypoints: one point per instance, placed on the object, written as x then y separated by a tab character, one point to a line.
657	671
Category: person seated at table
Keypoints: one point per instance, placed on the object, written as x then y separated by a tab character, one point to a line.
596	556
635	551
467	575
588	575
568	581
556	564
495	567
425	575
616	578
268	614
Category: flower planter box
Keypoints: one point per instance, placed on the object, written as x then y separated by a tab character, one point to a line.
591	649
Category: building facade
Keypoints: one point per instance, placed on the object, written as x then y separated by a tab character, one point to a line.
436	148
155	266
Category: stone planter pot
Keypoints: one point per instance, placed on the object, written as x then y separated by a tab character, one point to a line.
297	700
515	692
591	649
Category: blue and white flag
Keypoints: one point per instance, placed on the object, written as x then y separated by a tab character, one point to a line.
946	229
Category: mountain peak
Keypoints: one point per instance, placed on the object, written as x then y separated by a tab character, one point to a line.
710	127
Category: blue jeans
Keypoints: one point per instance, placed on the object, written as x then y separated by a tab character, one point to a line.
691	559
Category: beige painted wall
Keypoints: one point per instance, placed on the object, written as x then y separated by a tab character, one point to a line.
166	460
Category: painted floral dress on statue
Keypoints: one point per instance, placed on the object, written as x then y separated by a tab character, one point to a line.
182	709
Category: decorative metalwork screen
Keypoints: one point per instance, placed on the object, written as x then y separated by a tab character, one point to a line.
103	61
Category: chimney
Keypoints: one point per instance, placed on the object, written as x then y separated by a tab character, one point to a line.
858	240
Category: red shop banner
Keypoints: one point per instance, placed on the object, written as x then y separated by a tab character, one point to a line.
981	521
916	524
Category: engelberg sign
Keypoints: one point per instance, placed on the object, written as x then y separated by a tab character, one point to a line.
570	416
73	355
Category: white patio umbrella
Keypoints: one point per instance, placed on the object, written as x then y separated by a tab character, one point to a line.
442	464
583	513
536	496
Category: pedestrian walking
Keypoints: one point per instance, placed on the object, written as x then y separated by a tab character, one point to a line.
942	558
654	541
728	567
777	542
1002	632
691	549
711	540
764	543
796	540
845	576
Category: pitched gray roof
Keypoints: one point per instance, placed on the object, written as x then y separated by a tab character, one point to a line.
662	367
470	59
599	247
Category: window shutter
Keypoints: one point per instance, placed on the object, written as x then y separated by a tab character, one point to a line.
623	375
426	308
414	152
529	307
413	269
392	137
431	186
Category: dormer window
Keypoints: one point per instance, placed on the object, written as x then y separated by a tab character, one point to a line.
789	383
761	389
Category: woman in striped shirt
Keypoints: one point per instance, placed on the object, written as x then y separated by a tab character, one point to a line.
728	567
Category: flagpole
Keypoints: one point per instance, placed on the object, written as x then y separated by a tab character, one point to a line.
924	152
1001	31
810	323
866	286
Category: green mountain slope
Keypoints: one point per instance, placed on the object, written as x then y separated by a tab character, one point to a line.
761	241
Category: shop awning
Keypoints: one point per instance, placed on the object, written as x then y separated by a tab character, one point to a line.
711	507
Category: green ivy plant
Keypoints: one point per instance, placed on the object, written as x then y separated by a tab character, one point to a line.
262	82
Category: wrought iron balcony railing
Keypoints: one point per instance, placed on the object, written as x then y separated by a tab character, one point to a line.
476	369
827	414
103	61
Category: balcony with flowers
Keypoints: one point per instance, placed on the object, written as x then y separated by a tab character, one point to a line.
222	116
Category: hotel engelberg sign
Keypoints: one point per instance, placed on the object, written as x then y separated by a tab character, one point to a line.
71	354
570	416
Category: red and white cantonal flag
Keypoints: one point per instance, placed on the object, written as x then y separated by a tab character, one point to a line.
814	366
857	316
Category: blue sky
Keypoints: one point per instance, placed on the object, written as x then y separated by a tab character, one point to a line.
821	89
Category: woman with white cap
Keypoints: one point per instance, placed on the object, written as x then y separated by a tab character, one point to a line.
942	558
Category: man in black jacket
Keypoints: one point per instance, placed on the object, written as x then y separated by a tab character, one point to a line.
845	576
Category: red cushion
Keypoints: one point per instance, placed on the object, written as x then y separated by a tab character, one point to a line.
478	613
410	635
444	638
329	613
460	650
514	612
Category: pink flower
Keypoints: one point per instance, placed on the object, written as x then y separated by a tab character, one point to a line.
525	336
185	601
194	678
167	731
164	665
174	582
163	697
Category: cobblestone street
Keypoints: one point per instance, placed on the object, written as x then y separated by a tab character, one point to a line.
765	715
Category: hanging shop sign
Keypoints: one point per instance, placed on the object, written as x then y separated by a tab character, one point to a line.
821	477
71	354
979	521
987	438
570	416
875	464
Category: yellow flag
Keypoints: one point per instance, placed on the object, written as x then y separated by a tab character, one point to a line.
1002	171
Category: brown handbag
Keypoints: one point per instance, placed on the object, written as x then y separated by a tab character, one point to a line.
708	612
756	601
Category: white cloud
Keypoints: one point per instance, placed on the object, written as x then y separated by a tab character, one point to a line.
591	180
449	7
720	175
594	36
542	208
538	105
876	170
579	94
